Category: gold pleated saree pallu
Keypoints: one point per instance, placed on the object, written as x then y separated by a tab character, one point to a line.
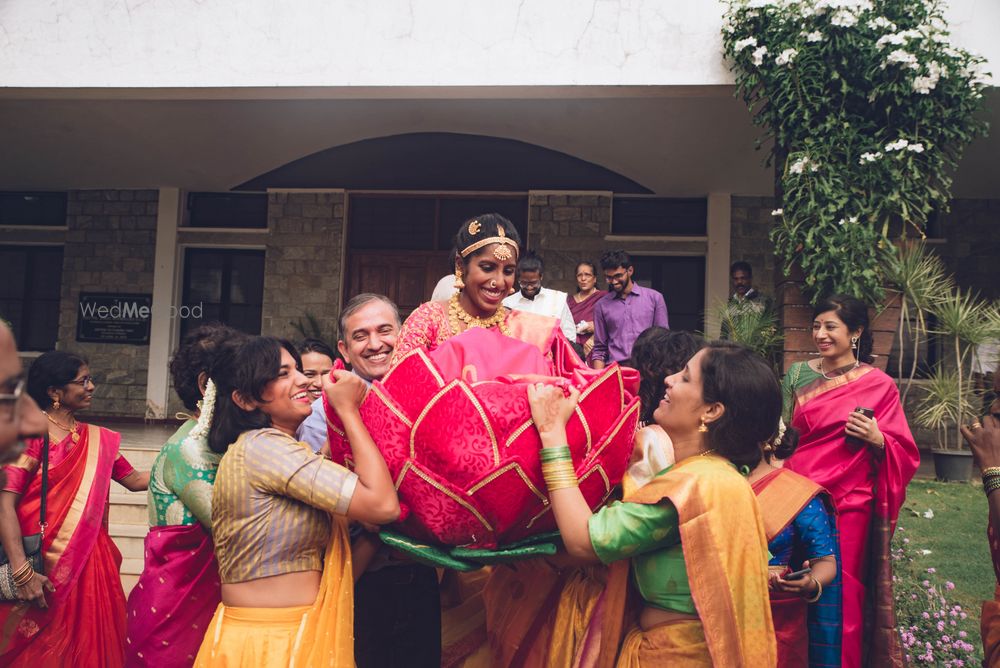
303	637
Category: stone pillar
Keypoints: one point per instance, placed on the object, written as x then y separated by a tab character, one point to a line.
717	258
110	242
303	267
565	228
161	324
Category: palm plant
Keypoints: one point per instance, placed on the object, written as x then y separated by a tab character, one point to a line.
752	325
922	281
943	403
968	322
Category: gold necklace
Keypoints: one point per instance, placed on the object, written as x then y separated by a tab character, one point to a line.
456	313
838	371
71	430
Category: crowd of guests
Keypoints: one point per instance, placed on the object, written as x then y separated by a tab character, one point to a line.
752	528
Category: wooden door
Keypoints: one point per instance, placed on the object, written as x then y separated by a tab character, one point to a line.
406	277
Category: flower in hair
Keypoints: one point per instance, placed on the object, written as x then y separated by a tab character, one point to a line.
200	430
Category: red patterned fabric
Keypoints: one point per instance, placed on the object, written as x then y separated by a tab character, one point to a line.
455	429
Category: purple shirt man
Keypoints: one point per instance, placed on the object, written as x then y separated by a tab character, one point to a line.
624	313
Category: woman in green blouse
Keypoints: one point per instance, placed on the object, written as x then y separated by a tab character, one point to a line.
693	536
178	591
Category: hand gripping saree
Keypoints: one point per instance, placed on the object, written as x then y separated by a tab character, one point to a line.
800	524
989	622
172	603
868	486
725	554
84	624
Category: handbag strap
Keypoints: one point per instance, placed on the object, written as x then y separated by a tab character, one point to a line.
45	484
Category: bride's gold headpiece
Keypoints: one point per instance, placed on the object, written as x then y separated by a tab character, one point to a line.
501	252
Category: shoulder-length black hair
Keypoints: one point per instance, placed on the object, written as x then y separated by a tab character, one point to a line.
745	384
246	367
854	313
52	369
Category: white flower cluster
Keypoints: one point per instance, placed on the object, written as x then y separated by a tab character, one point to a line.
200	430
853	6
897	38
869	157
843	18
901	57
777	212
758	55
741	44
814	36
785	57
851	219
904	145
925	84
802	164
880	23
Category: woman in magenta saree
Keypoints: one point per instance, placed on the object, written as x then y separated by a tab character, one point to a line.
173	602
865	464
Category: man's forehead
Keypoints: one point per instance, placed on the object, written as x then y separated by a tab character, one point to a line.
371	316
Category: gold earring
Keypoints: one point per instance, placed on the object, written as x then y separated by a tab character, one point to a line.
511	291
768	447
55	404
459	283
703	428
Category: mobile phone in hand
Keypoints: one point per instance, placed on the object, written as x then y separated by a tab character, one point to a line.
868	413
798	575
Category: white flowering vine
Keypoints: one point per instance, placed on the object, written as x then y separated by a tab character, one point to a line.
839	87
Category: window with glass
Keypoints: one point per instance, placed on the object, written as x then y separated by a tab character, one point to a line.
30	288
227	210
222	285
666	216
33	208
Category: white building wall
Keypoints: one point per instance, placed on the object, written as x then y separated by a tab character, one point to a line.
262	43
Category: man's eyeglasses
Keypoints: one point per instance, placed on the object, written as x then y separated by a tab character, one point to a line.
9	401
584	274
620	276
529	284
82	382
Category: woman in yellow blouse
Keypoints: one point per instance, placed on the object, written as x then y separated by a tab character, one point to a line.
280	514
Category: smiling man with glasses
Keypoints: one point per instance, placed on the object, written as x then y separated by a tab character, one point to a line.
536	299
19	415
624	313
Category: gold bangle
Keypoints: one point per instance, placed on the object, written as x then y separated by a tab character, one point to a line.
559	475
819	590
25	580
22	570
991	470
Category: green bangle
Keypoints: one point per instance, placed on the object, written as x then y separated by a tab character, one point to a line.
558	454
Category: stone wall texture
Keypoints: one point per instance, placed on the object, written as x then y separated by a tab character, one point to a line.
748	237
565	229
110	247
302	267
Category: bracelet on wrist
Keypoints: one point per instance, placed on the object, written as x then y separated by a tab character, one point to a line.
555	454
819	590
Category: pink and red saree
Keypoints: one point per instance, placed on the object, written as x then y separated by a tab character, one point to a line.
868	486
84	624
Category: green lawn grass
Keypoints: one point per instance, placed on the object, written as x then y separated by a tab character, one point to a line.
956	539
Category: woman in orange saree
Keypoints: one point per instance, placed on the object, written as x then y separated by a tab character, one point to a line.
865	462
78	616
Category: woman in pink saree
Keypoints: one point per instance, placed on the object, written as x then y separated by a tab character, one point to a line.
865	462
74	614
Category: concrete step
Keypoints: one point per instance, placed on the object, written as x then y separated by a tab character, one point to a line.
128	508
140	458
130	539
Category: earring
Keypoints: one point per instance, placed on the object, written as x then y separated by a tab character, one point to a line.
55	404
854	343
511	291
768	447
459	283
703	428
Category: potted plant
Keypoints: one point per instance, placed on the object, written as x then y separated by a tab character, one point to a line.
866	108
965	322
752	324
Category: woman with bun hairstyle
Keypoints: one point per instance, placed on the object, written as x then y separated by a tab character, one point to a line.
692	538
855	442
801	533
